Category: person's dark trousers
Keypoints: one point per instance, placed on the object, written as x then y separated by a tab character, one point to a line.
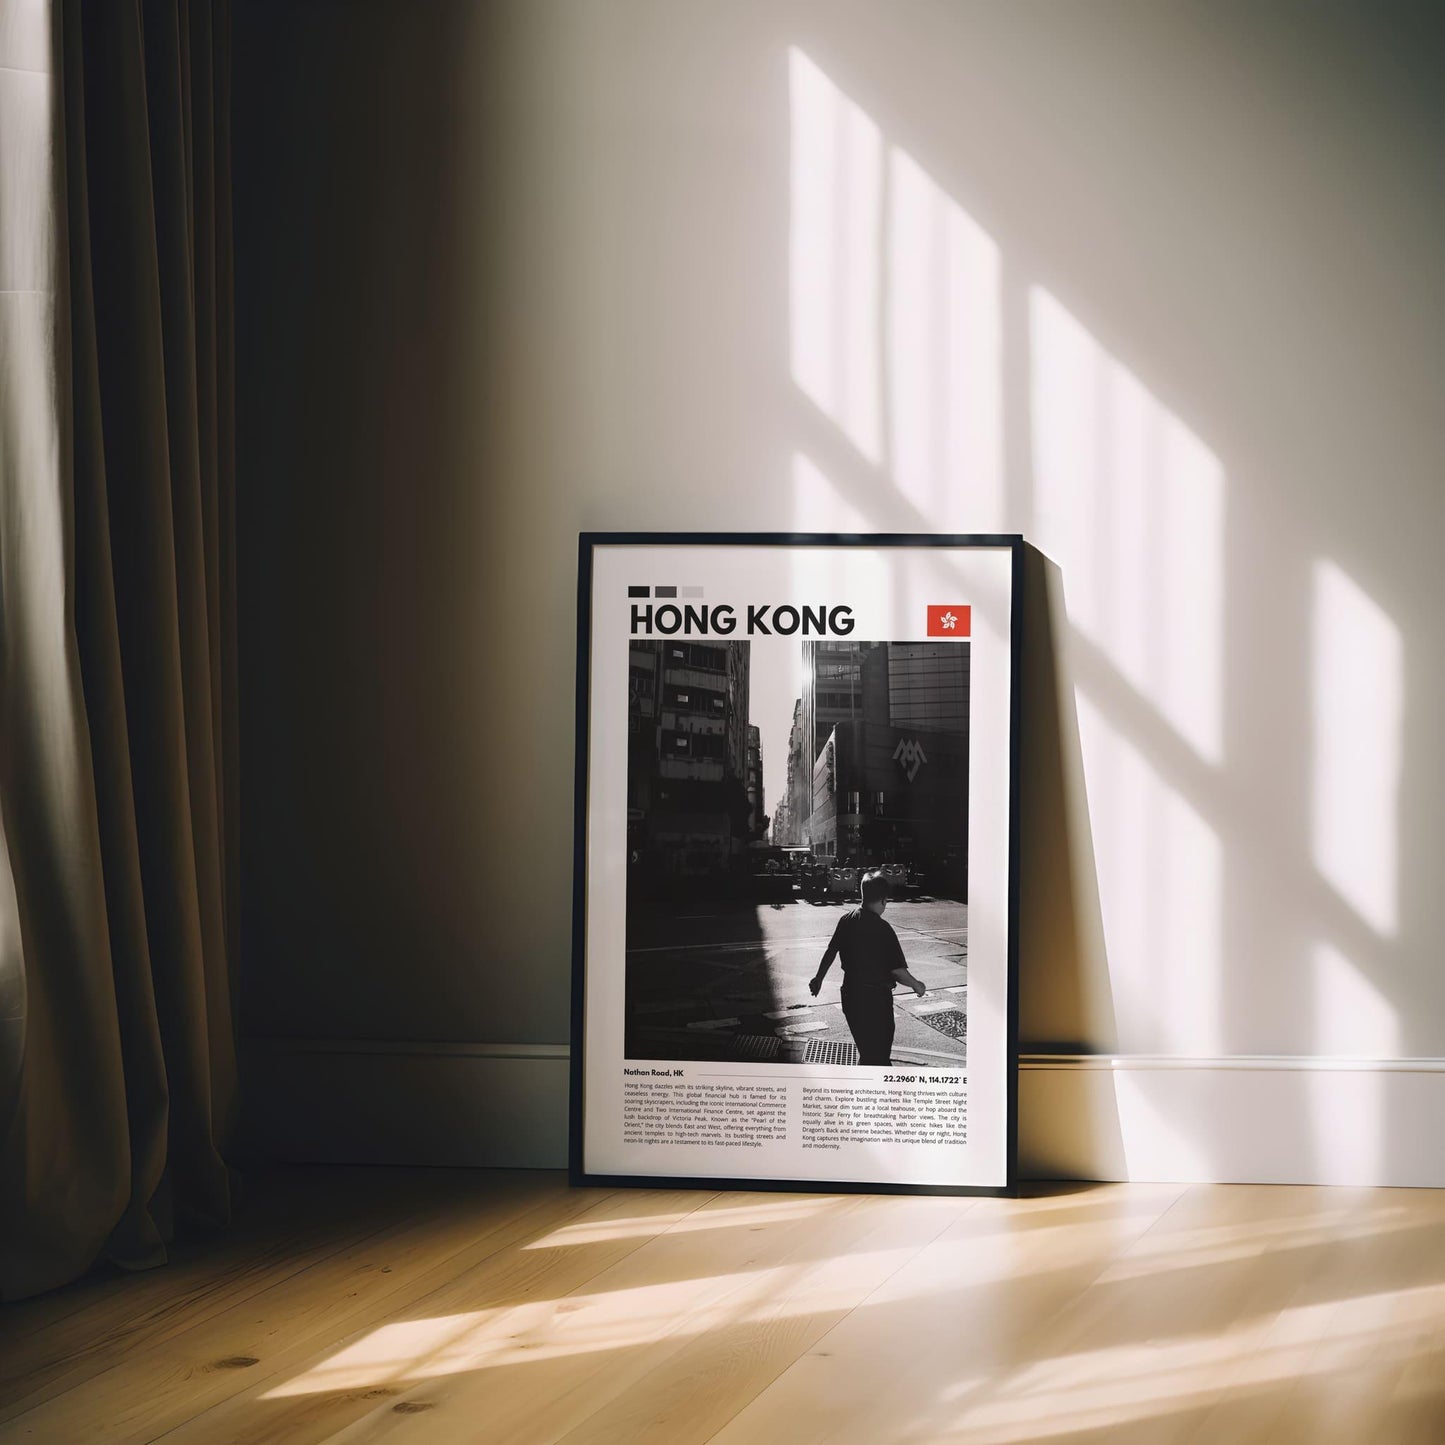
869	1012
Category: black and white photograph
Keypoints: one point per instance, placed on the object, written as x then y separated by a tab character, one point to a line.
797	851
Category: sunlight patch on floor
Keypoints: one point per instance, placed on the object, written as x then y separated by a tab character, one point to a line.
1094	1389
738	1217
582	1323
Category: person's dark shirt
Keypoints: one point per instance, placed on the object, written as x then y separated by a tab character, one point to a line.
869	947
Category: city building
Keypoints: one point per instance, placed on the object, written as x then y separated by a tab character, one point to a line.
688	808
880	773
928	685
884	794
835	679
757	816
792	810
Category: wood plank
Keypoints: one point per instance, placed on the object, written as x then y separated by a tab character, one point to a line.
315	1215
307	1395
153	1389
1144	1349
695	1392
535	1372
442	1308
1347	1354
1201	1329
109	1289
948	1320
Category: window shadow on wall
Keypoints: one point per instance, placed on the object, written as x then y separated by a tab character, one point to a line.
966	349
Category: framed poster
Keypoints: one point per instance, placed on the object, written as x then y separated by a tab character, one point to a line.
796	896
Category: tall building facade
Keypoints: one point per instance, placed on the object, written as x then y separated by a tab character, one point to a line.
839	686
757	814
790	813
687	802
882	770
928	685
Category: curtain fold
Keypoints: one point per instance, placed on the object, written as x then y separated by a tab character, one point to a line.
117	777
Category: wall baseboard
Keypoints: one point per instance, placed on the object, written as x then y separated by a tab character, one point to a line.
1279	1120
348	1101
1241	1120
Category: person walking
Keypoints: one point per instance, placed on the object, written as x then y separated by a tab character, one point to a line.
872	963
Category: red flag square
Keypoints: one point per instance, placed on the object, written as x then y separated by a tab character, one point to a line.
948	621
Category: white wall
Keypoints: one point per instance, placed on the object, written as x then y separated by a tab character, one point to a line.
1157	286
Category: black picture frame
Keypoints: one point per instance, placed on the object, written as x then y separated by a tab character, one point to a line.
588	542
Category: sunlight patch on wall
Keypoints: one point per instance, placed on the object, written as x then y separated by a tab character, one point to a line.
1161	880
1359	685
818	505
1353	1019
1130	504
944	355
834	248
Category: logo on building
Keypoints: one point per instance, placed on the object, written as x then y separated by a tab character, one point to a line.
909	756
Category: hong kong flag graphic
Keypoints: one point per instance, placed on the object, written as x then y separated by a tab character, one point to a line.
948	621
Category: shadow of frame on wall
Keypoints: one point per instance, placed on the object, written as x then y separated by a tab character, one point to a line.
1066	1002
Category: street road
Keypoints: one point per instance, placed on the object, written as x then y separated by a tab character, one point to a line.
713	981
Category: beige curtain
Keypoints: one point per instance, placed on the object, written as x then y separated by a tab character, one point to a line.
117	678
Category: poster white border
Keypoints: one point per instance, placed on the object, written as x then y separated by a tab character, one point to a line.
889	579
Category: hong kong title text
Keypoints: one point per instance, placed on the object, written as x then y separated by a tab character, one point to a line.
760	620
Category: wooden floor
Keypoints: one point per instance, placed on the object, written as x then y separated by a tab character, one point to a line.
366	1305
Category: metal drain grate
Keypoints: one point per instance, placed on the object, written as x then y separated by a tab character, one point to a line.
947	1021
755	1046
830	1051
